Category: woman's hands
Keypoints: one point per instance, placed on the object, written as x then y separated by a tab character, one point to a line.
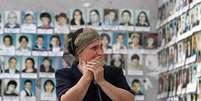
93	69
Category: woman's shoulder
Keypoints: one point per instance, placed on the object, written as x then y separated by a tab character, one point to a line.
64	72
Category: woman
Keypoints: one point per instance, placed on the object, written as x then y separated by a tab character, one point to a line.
135	41
7	46
46	20
94	18
77	18
49	88
29	66
11	88
105	41
46	65
142	19
81	81
126	17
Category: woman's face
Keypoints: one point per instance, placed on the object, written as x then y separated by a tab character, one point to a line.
7	41
11	88
46	63
142	18
94	16
61	21
23	42
77	16
49	87
120	39
45	21
29	19
135	40
150	41
104	40
29	63
125	17
112	16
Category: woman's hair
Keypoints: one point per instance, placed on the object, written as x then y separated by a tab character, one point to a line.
81	20
107	36
12	82
126	11
48	81
61	15
8	36
46	15
146	17
96	11
29	58
23	37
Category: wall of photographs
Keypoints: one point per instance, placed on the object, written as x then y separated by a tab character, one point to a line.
179	55
33	46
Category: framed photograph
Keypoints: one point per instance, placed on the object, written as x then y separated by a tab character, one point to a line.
8	43
45	22
135	64
29	22
118	60
23	44
106	39
12	21
151	41
29	67
120	42
62	23
126	17
111	17
12	65
135	40
11	89
94	17
28	89
1	23
48	89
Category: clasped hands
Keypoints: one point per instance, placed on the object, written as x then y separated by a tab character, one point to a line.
93	69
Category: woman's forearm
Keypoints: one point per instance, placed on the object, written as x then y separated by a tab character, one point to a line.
77	92
115	93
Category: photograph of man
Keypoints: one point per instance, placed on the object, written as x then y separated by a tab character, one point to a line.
55	43
28	22
8	44
27	87
77	18
137	87
106	41
12	20
94	18
93	80
61	25
126	17
39	43
119	41
11	88
12	66
135	63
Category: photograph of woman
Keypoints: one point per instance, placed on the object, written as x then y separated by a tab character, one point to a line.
8	44
48	88
61	24
106	41
142	19
94	18
135	40
29	64
77	18
126	18
11	88
56	43
29	21
46	65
